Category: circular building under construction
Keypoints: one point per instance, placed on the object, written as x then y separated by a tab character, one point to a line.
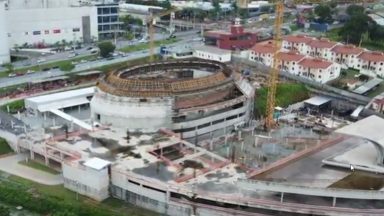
192	97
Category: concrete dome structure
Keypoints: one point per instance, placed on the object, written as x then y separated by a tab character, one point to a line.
192	97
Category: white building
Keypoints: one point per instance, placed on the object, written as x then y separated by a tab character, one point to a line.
297	43
263	53
4	47
212	53
89	178
289	61
371	63
318	69
377	103
346	55
321	48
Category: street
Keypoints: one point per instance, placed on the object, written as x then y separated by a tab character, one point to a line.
10	81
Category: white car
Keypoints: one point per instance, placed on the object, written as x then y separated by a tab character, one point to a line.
11	75
41	60
30	71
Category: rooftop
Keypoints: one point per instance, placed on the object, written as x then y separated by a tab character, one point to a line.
264	47
212	49
62	95
347	49
317	100
315	63
298	38
322	43
368	86
290	56
372	56
97	163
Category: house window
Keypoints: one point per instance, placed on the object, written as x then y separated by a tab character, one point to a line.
381	63
26	33
56	31
9	34
320	70
46	31
36	32
76	29
319	76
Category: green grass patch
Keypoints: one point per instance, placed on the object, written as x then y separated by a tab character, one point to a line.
286	94
36	165
14	106
4	147
294	27
378	90
333	34
45	199
144	46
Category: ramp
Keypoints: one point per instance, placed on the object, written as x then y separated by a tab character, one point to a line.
71	119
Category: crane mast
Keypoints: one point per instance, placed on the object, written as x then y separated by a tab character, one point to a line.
274	72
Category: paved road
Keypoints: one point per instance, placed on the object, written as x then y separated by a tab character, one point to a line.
10	165
10	81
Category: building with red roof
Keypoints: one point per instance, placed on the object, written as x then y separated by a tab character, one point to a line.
346	55
263	52
371	63
377	103
289	61
297	43
318	69
320	48
235	39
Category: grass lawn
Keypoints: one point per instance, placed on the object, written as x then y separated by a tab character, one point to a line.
110	206
36	165
286	94
13	106
4	147
144	46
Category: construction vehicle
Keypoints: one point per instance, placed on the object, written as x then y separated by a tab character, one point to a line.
151	21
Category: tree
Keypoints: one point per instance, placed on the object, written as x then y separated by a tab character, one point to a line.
166	4
353	30
353	10
216	8
4	211
324	13
375	32
106	48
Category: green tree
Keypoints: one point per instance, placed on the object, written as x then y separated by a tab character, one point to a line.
324	13
235	8
4	211
66	66
166	4
106	48
216	8
376	32
64	213
353	30
353	10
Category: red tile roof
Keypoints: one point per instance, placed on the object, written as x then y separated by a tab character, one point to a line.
266	47
298	38
322	43
379	101
315	63
347	49
372	56
290	56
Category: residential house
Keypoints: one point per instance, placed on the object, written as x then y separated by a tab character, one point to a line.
263	53
321	48
346	55
371	63
319	70
289	61
296	43
377	103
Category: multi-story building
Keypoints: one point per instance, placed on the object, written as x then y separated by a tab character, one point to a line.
236	39
212	53
371	63
297	43
49	22
108	23
263	53
289	61
346	55
318	69
321	48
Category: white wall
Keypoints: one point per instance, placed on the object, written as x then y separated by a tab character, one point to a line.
24	24
374	69
224	57
4	48
86	181
265	58
321	75
290	66
132	114
302	48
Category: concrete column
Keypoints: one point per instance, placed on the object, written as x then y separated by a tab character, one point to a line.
61	156
161	152
46	161
282	197
256	140
242	146
239	135
79	108
211	145
334	202
32	154
45	116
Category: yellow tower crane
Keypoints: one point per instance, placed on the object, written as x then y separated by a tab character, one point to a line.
151	21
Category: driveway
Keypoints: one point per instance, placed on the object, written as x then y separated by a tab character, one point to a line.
10	165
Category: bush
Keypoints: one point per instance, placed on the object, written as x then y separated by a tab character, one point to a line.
67	66
13	106
4	211
106	48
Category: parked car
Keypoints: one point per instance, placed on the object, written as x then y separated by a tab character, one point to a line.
40	60
30	71
11	75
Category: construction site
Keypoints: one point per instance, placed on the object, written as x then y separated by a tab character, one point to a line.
180	138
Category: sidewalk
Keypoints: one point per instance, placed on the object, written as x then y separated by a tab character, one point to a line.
10	165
